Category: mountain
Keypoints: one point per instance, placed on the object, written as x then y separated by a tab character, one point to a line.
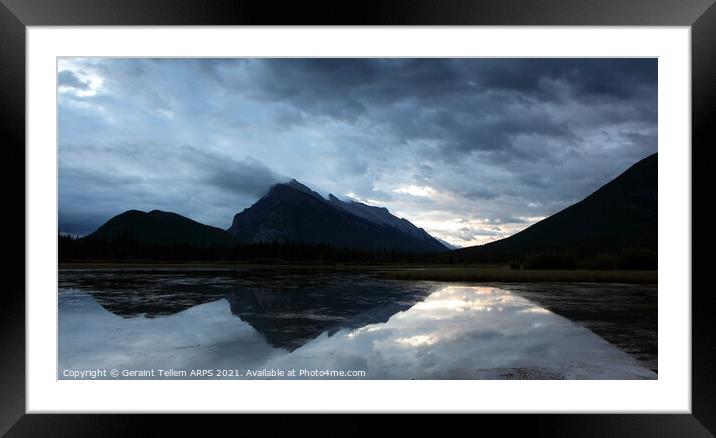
447	244
160	228
620	215
292	212
380	216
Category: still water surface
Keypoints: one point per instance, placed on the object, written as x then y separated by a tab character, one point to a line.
267	326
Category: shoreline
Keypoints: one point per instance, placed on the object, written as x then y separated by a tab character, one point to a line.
413	272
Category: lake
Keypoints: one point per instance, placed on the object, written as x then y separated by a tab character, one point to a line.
203	324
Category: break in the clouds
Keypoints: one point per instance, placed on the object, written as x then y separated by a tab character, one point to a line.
472	150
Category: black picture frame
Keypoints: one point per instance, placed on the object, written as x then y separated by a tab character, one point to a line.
16	15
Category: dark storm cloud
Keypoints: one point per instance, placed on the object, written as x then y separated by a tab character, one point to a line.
322	84
247	177
594	77
66	78
465	104
154	176
88	197
80	225
459	146
479	193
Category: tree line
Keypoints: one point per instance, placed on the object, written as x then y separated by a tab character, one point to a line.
74	249
125	249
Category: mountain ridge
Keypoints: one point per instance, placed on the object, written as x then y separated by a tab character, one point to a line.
292	212
160	228
620	214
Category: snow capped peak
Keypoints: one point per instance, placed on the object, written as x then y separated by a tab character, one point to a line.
380	216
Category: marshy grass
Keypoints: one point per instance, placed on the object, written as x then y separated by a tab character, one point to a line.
507	275
463	273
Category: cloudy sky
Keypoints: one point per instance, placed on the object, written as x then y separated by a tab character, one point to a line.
472	150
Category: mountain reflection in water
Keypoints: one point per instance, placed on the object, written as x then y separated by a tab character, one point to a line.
390	329
288	313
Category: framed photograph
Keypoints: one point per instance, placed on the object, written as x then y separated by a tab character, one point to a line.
474	208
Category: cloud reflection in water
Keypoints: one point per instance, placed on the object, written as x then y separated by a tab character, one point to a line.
456	332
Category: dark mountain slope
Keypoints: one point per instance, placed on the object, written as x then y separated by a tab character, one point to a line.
622	214
160	228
